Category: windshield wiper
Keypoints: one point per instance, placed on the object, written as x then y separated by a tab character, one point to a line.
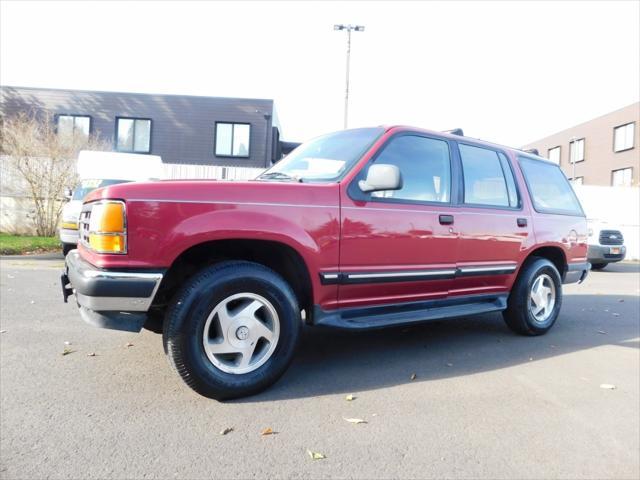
280	176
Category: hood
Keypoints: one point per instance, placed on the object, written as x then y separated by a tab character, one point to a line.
214	191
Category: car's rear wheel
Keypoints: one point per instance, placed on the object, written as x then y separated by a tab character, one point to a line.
232	329
598	266
536	298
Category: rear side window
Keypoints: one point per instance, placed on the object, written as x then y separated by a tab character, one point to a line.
549	188
488	179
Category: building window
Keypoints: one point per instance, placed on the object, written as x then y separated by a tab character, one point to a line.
577	181
623	137
133	135
232	139
69	125
622	177
554	155
576	151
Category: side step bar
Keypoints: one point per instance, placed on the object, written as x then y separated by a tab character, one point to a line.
407	313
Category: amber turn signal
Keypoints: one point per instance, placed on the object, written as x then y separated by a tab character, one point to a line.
107	243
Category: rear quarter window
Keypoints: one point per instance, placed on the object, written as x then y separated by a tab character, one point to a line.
549	189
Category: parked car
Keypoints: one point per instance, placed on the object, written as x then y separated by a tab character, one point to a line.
359	229
605	245
96	170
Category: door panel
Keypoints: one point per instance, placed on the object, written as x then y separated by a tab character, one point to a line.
493	227
393	246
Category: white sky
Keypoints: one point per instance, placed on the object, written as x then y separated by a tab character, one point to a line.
506	72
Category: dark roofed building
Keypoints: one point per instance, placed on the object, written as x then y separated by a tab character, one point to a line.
182	129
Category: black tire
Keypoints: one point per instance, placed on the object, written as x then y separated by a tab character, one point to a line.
518	315
186	319
598	266
67	247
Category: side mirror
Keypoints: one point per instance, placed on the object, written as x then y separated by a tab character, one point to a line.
381	177
68	193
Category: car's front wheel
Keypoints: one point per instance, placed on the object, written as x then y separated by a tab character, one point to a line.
535	299
232	329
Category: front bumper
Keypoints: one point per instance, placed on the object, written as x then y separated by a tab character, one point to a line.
602	253
69	236
109	299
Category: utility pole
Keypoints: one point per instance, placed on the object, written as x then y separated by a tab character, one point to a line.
348	28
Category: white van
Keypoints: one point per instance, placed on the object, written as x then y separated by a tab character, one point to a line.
99	169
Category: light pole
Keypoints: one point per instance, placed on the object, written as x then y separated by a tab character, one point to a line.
349	28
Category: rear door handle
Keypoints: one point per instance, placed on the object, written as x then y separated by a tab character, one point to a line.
522	222
446	219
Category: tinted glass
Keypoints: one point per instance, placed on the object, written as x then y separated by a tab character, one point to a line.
65	125
424	166
549	188
328	157
125	134
241	140
484	180
87	186
142	138
83	125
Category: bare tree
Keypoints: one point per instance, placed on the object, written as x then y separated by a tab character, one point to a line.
46	160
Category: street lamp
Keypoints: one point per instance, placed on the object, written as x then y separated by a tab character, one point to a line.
349	28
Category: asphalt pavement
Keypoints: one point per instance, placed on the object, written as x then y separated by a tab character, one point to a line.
484	403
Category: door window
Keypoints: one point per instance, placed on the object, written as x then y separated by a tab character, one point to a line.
425	169
488	179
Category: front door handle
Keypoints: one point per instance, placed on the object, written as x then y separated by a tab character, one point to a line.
446	219
522	222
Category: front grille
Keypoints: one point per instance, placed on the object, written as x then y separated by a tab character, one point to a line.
611	237
83	223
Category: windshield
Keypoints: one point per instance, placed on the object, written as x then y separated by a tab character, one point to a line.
325	158
87	186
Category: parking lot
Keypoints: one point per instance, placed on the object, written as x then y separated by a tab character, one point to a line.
484	403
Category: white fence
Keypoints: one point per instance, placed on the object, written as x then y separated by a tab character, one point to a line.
616	207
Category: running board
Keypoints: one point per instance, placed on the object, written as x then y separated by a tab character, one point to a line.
368	318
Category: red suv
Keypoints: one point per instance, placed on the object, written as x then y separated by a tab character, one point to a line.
359	229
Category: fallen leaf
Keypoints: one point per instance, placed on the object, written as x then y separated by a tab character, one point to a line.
67	351
608	386
315	455
354	420
602	332
67	343
129	344
226	430
267	431
413	376
350	397
91	354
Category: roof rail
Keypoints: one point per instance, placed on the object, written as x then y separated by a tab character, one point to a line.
534	151
455	131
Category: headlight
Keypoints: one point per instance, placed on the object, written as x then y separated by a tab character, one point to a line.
107	227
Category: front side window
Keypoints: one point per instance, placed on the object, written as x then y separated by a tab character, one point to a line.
622	177
554	155
326	158
70	125
488	179
424	165
133	135
623	137
232	139
576	151
549	189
